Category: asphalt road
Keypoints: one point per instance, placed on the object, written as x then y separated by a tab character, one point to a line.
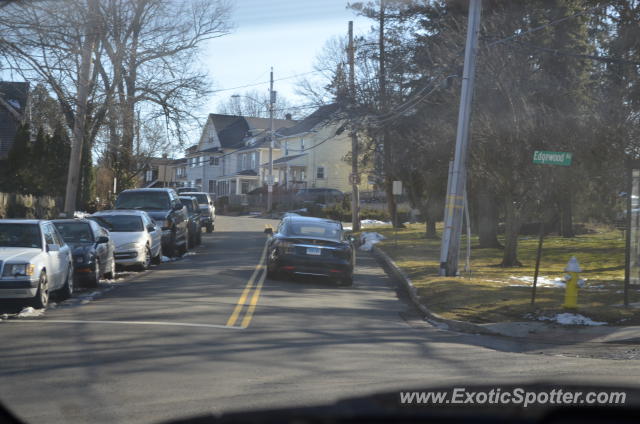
208	333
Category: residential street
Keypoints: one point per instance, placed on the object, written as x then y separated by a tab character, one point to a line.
168	343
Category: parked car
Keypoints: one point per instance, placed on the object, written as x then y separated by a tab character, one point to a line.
207	208
34	261
91	247
193	189
164	206
323	196
310	246
194	227
137	239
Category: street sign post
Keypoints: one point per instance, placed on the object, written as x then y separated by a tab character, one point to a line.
543	157
397	191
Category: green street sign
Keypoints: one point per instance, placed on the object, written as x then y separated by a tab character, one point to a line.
542	157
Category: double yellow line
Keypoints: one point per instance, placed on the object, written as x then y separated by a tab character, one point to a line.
244	297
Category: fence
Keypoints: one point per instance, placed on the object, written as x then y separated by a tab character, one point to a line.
13	205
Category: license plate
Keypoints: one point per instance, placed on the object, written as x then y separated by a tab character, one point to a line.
313	251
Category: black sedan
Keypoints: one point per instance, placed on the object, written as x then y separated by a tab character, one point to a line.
310	247
91	247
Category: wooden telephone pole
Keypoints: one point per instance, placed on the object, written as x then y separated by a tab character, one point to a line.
355	176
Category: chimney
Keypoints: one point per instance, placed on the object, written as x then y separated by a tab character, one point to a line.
288	116
165	155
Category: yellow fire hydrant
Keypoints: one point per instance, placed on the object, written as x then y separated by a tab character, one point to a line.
571	290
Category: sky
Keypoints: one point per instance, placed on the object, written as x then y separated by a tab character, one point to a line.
284	34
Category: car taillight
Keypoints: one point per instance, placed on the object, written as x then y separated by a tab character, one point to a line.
287	247
342	253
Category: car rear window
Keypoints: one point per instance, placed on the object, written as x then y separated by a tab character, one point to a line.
143	200
20	235
201	198
311	229
188	203
120	223
75	232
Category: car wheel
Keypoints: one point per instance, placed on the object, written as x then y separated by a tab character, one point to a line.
146	261
171	246
94	280
67	290
209	228
157	260
190	239
111	272
41	299
183	248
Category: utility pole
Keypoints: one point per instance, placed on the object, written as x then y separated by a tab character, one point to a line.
272	100
455	194
75	157
355	176
386	142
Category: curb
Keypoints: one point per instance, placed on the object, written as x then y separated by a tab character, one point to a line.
440	322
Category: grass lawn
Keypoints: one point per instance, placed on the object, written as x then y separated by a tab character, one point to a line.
494	294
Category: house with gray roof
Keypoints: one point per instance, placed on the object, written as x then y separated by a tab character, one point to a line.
315	153
227	158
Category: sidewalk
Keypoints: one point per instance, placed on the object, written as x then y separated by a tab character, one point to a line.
531	330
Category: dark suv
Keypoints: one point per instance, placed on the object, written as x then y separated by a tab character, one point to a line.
164	206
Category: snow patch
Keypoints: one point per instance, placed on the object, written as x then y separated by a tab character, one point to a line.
368	239
189	254
29	312
167	259
372	223
571	319
543	281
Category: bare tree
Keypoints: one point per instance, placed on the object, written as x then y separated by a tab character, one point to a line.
144	60
255	103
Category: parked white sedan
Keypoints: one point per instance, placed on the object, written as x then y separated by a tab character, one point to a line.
137	239
34	261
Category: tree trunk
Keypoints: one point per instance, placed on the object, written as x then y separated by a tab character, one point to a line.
431	228
512	231
566	217
487	221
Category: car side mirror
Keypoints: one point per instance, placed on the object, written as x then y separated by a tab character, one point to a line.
268	231
210	203
102	240
53	248
151	228
177	207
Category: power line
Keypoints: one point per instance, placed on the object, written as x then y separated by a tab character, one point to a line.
267	82
541	27
557	52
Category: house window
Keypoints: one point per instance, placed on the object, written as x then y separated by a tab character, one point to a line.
215	161
253	161
301	143
212	186
320	173
245	187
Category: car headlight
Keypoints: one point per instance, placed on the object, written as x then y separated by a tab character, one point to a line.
18	270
